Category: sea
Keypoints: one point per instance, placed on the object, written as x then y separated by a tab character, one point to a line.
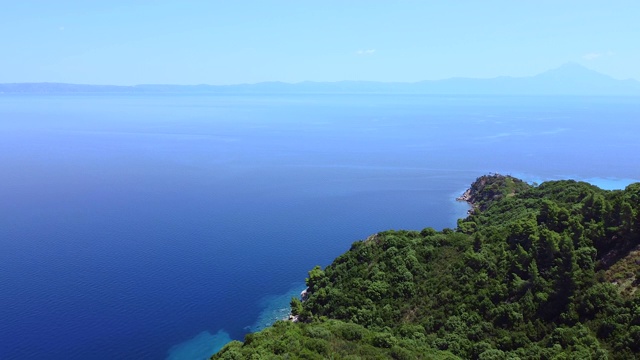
138	226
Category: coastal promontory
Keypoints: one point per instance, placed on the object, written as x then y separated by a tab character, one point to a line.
534	272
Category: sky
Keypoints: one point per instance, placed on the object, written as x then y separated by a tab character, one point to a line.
128	42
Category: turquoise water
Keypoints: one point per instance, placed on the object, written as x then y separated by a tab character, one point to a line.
200	347
137	227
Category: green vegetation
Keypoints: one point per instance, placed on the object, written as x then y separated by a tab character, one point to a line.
328	339
545	272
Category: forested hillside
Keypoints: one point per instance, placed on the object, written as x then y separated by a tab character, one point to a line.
544	272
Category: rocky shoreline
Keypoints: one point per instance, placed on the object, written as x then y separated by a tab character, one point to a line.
303	296
468	198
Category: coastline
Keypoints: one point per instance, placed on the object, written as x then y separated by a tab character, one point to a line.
275	308
467	198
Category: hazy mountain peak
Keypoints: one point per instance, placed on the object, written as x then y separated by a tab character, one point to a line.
572	70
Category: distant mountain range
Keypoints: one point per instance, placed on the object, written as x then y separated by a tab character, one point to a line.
568	79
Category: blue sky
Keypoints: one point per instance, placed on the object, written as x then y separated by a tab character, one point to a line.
229	42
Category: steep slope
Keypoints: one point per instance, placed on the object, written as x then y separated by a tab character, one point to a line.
529	274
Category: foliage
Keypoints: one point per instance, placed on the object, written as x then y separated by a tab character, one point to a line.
331	339
529	274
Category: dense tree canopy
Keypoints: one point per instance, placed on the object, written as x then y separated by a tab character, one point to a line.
534	272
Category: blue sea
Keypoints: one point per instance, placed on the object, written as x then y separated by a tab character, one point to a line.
162	227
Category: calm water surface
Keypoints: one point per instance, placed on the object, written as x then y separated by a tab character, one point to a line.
151	227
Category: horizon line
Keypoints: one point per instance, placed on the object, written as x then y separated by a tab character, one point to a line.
567	64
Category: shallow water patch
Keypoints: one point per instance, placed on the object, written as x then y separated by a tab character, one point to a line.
202	346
